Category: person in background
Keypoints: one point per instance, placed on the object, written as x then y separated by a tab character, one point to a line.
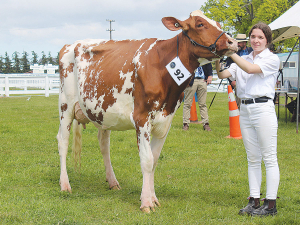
256	76
198	85
243	50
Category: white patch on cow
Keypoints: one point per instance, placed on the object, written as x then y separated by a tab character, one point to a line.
150	47
204	61
161	123
200	14
118	116
136	59
156	103
146	156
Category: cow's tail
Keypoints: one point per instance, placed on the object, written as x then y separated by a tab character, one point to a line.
76	147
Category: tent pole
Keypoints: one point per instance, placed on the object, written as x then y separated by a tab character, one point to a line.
297	112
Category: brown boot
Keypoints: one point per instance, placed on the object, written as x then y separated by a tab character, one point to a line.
268	208
206	127
252	205
185	126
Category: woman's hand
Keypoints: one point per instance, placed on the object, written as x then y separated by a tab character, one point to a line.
224	73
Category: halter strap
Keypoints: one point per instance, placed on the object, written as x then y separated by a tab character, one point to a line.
210	48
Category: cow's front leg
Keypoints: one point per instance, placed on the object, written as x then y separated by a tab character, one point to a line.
156	147
147	162
104	142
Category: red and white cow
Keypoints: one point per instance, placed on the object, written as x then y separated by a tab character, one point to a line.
121	85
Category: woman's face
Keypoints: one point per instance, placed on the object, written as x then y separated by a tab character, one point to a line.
258	41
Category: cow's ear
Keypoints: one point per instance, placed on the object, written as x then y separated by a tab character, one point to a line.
172	23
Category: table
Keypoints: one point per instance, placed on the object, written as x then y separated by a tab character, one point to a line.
287	95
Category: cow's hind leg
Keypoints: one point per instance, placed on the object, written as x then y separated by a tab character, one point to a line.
63	143
104	142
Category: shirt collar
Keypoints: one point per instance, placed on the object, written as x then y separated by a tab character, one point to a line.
264	53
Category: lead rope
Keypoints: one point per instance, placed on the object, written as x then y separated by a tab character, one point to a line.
215	95
177	45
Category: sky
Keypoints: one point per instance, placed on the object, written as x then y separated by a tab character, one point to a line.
38	25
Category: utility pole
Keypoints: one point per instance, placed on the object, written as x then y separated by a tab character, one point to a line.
110	30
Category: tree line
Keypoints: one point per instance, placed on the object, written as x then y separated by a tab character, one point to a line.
20	63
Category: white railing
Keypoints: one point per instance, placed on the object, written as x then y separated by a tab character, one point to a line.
45	84
28	84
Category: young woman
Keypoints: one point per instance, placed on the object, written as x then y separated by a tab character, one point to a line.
255	76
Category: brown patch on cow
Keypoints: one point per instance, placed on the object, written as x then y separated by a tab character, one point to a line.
69	126
64	107
146	135
98	119
64	72
128	91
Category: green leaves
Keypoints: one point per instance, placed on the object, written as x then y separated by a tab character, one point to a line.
238	16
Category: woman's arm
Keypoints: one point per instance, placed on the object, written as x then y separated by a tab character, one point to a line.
245	65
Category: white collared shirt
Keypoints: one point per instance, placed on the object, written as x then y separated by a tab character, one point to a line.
259	84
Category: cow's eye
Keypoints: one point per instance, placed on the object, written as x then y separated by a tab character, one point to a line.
200	25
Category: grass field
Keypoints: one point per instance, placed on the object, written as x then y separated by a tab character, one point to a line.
201	177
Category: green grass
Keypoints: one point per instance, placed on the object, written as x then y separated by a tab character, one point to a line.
201	177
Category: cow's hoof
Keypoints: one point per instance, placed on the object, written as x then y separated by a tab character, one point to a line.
156	203
116	187
67	190
147	209
65	187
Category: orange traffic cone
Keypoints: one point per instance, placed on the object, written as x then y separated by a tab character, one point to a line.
194	117
234	116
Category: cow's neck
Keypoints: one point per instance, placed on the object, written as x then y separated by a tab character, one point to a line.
186	53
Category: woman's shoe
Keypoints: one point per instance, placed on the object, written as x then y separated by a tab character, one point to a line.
252	205
268	208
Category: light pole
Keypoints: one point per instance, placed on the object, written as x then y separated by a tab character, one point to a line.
110	30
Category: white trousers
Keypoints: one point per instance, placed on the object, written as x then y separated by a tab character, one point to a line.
259	126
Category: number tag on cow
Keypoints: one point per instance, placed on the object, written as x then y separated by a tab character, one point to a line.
177	71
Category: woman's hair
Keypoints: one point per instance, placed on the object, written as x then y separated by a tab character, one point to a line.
265	29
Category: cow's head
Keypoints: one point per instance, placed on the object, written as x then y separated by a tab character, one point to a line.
205	35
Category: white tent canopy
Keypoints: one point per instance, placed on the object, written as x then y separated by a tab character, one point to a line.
287	25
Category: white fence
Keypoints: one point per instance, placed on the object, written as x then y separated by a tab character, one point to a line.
28	84
45	84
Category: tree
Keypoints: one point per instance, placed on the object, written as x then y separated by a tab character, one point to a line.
57	59
44	59
25	67
1	64
50	59
16	63
34	58
7	64
238	16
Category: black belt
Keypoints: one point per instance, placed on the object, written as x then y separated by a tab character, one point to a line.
255	100
198	78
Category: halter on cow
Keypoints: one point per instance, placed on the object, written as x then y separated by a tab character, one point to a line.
121	85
